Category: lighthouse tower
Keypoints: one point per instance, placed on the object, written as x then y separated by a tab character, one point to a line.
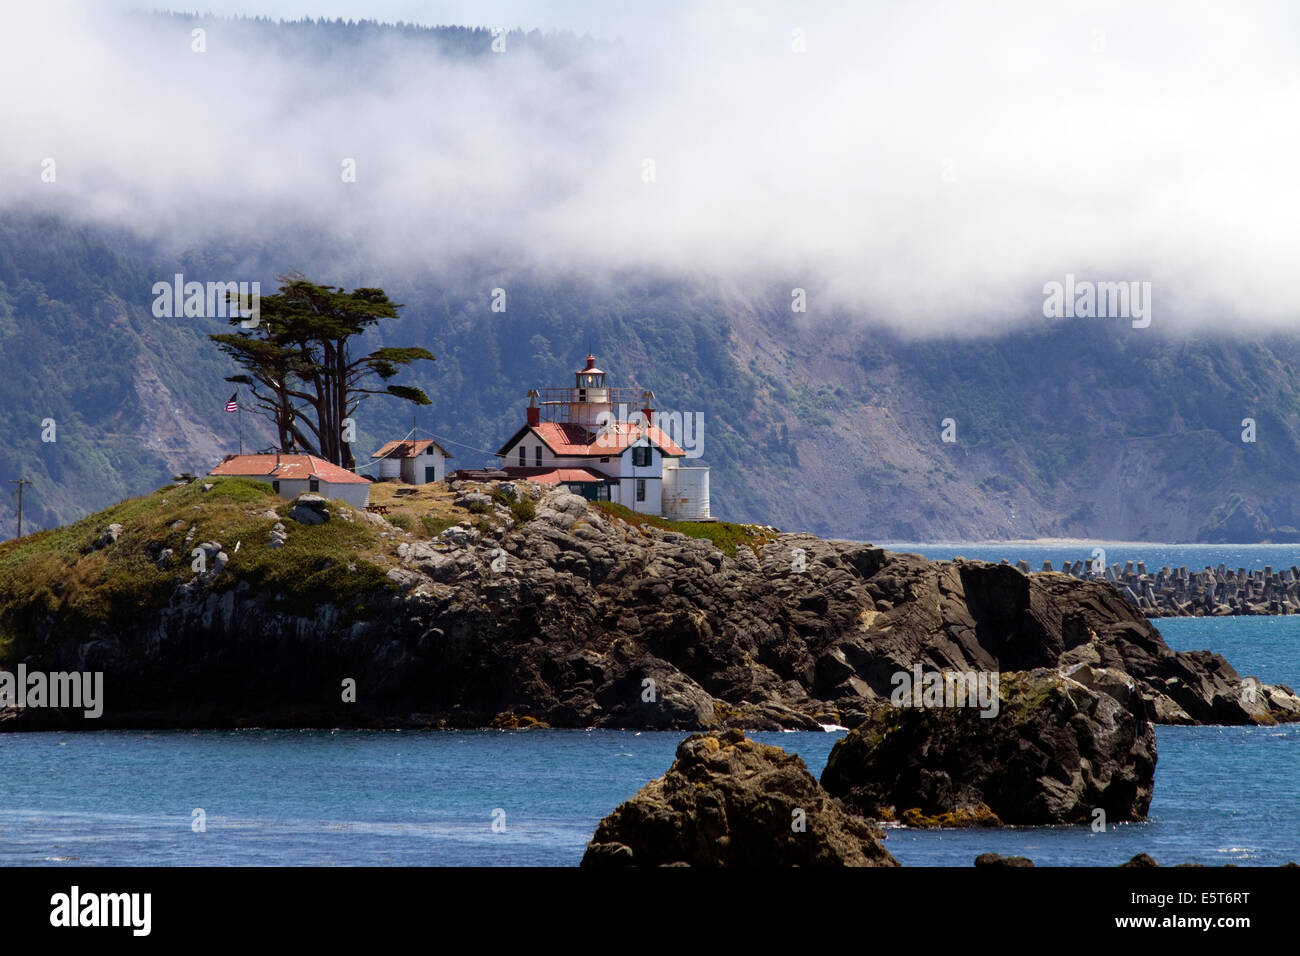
591	399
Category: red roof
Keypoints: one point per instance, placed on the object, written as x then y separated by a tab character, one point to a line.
558	476
408	449
571	440
286	467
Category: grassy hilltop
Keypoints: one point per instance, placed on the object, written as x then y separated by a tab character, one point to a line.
66	572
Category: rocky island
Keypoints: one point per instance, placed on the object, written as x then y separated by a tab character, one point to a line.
509	604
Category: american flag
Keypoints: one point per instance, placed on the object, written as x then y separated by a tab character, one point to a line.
231	404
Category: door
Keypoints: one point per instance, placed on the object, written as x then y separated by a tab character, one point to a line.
430	473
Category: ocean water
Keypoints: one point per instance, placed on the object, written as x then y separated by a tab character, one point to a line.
1222	795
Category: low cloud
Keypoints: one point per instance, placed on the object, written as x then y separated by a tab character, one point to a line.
927	166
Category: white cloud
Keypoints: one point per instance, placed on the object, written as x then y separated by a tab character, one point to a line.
1155	143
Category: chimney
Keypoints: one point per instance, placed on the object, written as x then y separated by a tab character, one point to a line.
534	413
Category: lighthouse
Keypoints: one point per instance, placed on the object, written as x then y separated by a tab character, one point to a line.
583	437
591	405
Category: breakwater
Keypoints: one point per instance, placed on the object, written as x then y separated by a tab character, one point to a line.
1177	592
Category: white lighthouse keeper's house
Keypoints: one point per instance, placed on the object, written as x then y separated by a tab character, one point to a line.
583	438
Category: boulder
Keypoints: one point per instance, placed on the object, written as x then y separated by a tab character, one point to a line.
108	536
210	550
459	535
310	509
729	801
1056	751
655	695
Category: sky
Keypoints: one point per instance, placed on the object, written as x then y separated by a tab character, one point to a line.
927	165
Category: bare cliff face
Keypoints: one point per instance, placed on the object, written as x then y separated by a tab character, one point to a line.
576	617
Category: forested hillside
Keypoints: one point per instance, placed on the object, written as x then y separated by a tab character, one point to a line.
1077	429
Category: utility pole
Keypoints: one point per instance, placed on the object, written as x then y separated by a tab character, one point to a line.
20	482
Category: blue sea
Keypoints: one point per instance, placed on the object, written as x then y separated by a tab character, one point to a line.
524	798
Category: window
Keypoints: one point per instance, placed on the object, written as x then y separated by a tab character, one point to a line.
640	456
313	485
605	461
275	486
523	456
538	457
640	489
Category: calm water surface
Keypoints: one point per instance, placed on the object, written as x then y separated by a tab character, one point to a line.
1223	794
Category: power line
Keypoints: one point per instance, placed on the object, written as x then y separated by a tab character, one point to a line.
377	461
449	441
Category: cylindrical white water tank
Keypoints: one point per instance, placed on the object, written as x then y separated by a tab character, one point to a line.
390	468
686	494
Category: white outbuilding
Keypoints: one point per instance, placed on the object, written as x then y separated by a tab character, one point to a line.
291	475
414	462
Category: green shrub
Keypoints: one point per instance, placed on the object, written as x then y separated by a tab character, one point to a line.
435	526
725	535
523	510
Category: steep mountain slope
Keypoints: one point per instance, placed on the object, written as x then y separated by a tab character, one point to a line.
1081	429
1088	429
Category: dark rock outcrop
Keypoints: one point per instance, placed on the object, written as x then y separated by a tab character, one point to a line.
1059	748
729	801
577	618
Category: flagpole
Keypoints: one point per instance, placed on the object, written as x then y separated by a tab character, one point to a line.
240	407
